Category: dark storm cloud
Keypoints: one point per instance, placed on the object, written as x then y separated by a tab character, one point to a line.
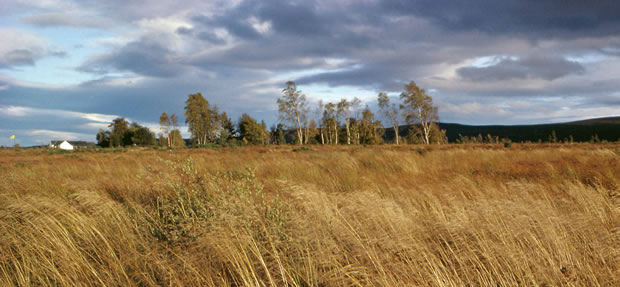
144	57
291	18
610	100
294	27
547	68
302	34
205	35
299	17
559	18
275	53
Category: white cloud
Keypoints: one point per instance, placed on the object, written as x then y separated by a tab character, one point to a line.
161	25
473	109
60	134
95	117
13	111
17	42
492	60
262	27
564	114
156	128
48	4
67	18
20	111
94	125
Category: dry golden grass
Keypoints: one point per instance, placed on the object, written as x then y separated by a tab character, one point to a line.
451	215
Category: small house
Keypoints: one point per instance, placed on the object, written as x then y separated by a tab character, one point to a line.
71	145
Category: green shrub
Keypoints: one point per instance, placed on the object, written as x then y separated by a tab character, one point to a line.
303	148
421	151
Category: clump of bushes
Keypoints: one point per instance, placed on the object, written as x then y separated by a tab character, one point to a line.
421	151
190	203
303	148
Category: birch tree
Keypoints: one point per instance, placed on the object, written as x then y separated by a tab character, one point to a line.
227	131
164	122
330	121
369	128
356	105
319	111
305	127
390	111
292	108
175	128
417	108
344	112
312	132
202	121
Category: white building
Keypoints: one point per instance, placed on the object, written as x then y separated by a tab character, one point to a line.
61	145
70	145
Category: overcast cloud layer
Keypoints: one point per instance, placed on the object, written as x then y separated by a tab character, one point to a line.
69	67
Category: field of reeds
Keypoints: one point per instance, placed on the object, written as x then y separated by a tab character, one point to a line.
449	215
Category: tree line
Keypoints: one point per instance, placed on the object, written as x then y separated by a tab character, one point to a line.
122	133
346	122
341	122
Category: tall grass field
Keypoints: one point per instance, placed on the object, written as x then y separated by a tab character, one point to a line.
443	215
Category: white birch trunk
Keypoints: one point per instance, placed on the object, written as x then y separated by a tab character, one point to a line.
336	132
348	132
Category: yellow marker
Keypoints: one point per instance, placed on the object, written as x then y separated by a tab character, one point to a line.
12	137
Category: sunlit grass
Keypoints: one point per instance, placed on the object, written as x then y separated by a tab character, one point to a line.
450	215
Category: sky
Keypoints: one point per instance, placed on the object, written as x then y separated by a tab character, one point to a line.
68	67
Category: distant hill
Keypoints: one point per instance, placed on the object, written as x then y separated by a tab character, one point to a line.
581	131
605	128
598	121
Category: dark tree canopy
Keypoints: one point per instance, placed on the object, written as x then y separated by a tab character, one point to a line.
251	132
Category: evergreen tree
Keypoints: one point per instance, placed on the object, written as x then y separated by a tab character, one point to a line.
277	134
103	138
